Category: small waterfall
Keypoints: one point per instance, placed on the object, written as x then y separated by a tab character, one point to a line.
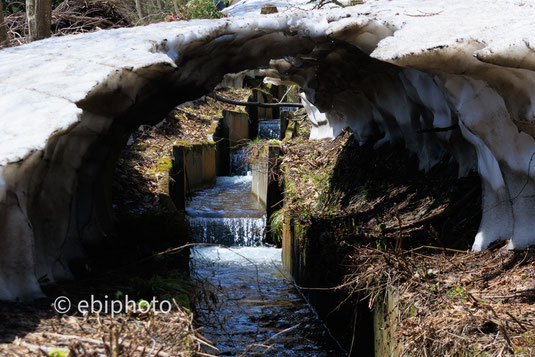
238	162
250	308
269	129
233	231
227	214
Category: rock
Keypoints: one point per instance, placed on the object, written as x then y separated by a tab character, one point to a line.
68	105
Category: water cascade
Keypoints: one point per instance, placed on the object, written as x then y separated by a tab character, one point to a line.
238	162
226	214
269	129
250	306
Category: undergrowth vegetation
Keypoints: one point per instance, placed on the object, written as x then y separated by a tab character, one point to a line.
377	231
79	16
145	257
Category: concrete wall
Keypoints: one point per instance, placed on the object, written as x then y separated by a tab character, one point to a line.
293	255
265	187
313	259
232	130
385	318
260	182
238	126
262	96
375	329
257	113
222	151
199	165
193	168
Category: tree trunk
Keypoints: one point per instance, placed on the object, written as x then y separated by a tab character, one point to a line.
159	4
39	13
177	11
3	31
139	9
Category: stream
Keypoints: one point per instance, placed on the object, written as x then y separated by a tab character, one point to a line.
249	306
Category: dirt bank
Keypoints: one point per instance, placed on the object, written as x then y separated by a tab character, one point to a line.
386	228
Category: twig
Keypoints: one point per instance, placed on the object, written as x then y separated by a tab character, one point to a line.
516	320
444	213
424	14
254	104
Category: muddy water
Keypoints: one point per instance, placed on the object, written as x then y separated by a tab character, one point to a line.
249	307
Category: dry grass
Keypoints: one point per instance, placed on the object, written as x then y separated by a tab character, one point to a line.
453	302
390	219
151	334
140	165
307	167
71	17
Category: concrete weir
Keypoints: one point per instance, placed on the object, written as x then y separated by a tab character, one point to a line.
265	186
193	168
68	105
196	165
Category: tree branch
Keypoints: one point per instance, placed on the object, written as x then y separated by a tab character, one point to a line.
255	104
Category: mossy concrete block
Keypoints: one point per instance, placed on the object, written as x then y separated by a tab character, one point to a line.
293	254
238	127
220	137
199	164
261	185
262	96
194	168
265	186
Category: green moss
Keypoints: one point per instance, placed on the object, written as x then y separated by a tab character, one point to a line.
213	128
274	142
163	287
56	352
164	164
291	130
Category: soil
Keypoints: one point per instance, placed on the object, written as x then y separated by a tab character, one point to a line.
139	169
397	229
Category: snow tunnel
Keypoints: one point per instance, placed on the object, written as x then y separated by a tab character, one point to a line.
381	69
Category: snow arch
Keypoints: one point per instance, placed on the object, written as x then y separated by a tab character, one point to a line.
68	104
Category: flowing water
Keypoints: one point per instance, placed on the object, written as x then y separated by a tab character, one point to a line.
249	307
227	213
238	162
269	129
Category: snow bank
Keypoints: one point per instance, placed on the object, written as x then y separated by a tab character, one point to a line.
68	104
